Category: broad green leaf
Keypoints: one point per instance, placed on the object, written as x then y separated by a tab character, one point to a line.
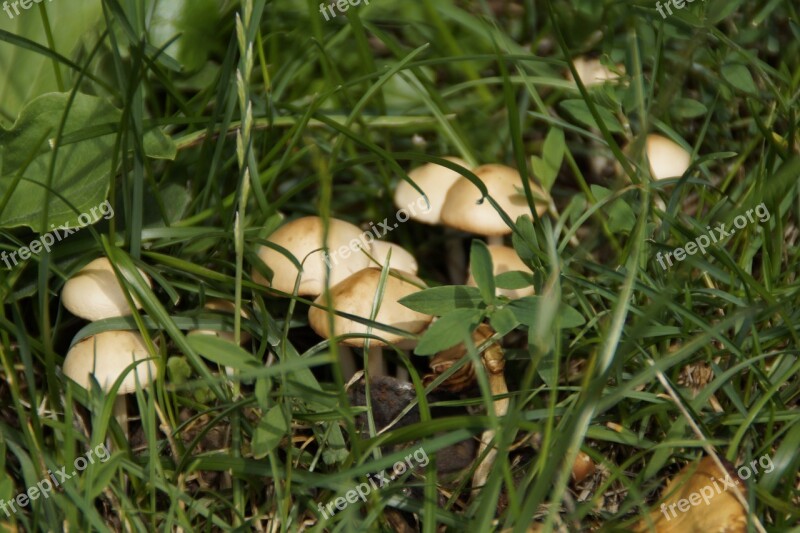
223	352
192	22
688	108
448	331
82	167
514	280
271	428
621	217
580	112
547	167
441	300
525	241
480	263
739	77
527	311
27	74
503	320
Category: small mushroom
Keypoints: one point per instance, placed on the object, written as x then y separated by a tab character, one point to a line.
464	211
94	293
494	363
592	72
505	259
303	238
700	499
355	295
582	468
401	259
434	180
106	356
667	158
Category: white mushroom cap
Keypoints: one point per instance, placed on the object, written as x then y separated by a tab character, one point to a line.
504	184
401	258
505	259
667	158
223	306
303	236
107	355
592	71
434	180
94	292
355	296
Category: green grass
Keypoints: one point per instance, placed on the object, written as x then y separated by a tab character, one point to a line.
341	110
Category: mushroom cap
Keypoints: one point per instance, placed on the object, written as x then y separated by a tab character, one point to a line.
223	306
94	293
667	158
505	259
721	514
504	184
115	351
401	258
434	180
355	295
303	236
591	71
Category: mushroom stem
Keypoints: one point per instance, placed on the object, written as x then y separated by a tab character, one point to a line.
376	365
347	362
497	385
121	414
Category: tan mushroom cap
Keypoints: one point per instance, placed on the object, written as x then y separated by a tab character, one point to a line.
505	259
592	72
504	184
680	511
667	158
107	355
401	258
303	236
94	293
355	296
434	180
223	306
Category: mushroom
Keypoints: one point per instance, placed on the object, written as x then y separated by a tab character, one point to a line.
303	239
94	293
505	259
401	259
435	181
494	363
106	356
356	295
667	158
697	500
592	72
582	468
463	209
